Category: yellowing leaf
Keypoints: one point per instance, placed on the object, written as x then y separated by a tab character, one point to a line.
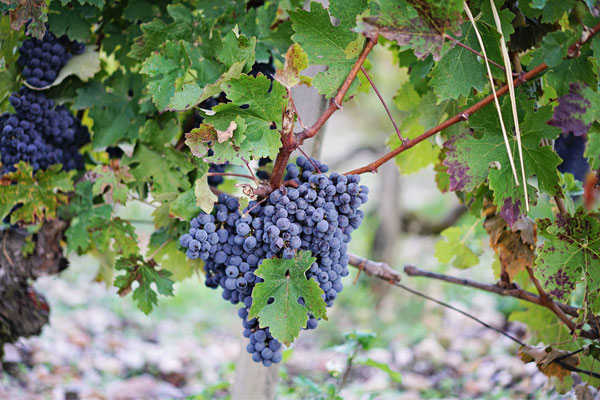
205	198
39	195
544	358
296	60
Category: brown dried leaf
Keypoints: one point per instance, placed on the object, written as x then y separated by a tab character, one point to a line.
418	24
544	357
583	392
28	10
226	134
515	247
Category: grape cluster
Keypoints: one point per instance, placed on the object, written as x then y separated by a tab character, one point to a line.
231	254
43	59
318	215
40	133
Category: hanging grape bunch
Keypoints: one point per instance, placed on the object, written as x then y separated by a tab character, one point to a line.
319	216
43	59
40	133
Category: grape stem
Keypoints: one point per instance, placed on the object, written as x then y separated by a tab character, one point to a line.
464	115
516	292
383	271
230	174
387	110
464	46
290	141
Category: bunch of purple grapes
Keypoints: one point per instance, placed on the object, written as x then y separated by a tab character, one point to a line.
40	133
43	59
319	215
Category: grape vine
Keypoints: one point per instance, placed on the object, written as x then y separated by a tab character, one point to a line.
177	105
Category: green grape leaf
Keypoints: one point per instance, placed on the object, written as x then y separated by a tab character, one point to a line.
97	3
325	44
425	153
184	206
111	182
167	70
553	49
419	28
172	259
156	162
119	235
9	69
285	281
571	70
92	225
161	168
73	20
115	113
157	32
213	89
32	11
453	248
136	269
39	194
470	160
206	137
459	71
84	217
543	325
552	10
506	18
571	257
254	137
237	48
592	148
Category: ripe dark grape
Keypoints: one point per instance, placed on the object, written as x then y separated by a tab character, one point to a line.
319	215
40	133
115	152
43	59
571	148
261	173
267	69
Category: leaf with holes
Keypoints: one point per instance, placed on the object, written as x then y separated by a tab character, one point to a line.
285	282
256	107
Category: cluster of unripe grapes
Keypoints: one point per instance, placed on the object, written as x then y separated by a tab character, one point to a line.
318	215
